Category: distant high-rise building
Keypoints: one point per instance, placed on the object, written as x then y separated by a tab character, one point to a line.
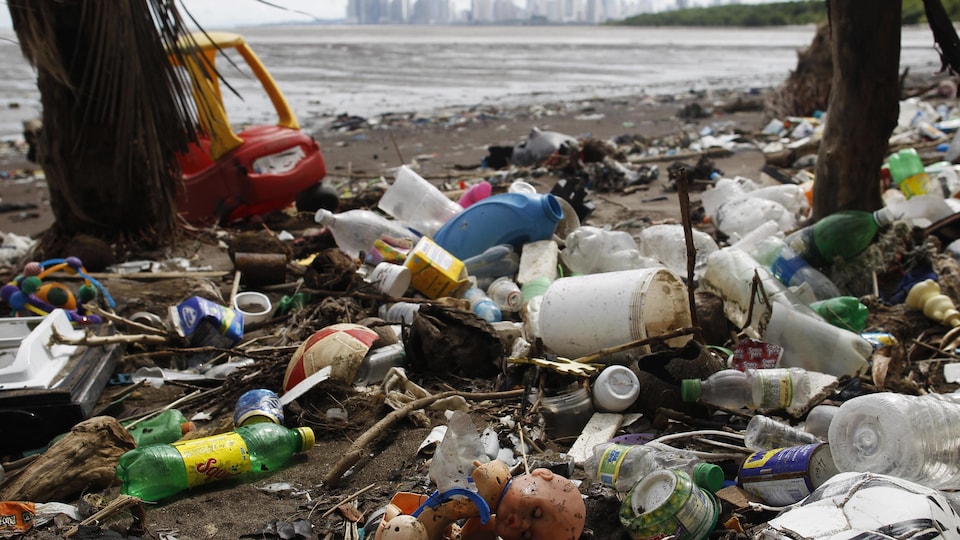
482	11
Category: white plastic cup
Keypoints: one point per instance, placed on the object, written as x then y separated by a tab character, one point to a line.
615	389
391	279
581	315
254	306
417	203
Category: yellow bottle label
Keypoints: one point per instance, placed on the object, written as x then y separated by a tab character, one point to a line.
608	469
915	185
214	458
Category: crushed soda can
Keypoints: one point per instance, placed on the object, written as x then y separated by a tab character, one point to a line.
206	323
258	406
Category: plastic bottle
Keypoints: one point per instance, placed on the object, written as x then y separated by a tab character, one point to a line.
418	204
504	218
592	250
506	293
844	312
482	305
158	471
791	269
663	242
752	388
765	433
356	230
910	437
621	466
729	274
907	171
398	312
842	234
819	419
735	211
496	261
378	362
166	427
816	345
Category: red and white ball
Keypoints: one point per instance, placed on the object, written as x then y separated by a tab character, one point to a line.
340	346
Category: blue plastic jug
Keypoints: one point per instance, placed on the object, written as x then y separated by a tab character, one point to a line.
504	218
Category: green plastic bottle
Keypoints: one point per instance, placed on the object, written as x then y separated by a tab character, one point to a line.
842	234
158	471
167	427
843	311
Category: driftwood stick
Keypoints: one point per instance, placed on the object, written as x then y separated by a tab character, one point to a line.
94	341
680	176
357	449
591	358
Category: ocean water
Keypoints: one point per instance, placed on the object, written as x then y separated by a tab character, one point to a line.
371	70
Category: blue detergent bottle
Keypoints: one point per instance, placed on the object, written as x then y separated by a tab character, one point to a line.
504	218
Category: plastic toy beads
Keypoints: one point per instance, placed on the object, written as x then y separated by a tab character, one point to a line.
28	291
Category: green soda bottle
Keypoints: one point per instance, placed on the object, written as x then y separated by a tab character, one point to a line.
158	471
167	427
842	234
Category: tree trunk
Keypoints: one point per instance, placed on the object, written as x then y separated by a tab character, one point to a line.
113	116
863	110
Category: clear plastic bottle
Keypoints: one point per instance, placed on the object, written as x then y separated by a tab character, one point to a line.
910	437
482	305
661	241
765	433
791	269
752	388
621	466
158	471
355	231
399	312
819	419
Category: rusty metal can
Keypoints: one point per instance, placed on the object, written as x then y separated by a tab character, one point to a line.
261	268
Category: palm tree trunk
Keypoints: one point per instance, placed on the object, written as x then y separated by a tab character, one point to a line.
114	114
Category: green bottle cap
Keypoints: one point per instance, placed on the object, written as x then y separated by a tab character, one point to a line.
708	476
690	390
307	438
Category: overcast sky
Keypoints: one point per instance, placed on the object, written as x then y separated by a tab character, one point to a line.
228	13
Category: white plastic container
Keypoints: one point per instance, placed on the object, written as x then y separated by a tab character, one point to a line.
538	259
417	203
816	345
615	389
580	315
254	306
592	250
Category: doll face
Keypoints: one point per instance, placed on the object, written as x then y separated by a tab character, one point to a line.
541	505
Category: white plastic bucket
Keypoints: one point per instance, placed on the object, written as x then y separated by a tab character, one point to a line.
582	314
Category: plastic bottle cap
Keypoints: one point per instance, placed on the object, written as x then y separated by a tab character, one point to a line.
307	438
690	390
708	476
187	427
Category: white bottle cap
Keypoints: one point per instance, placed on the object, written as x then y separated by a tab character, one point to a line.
615	389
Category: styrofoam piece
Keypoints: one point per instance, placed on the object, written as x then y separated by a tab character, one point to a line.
39	359
601	428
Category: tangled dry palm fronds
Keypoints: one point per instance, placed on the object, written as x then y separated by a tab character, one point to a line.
807	88
115	111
